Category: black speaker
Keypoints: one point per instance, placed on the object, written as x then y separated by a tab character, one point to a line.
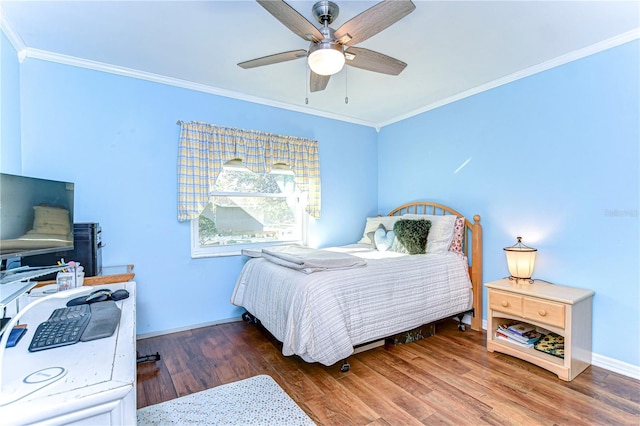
87	250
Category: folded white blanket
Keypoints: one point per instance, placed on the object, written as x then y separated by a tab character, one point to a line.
308	260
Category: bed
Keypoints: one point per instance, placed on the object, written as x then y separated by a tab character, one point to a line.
323	304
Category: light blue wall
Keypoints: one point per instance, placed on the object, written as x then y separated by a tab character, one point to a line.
553	158
10	157
117	138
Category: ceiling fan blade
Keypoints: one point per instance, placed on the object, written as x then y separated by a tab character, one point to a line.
292	19
318	82
274	59
372	21
373	61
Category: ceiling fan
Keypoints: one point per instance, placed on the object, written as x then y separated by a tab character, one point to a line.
331	49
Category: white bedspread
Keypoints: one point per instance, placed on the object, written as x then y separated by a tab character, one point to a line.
322	316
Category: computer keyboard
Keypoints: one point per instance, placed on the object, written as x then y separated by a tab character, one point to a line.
70	312
64	327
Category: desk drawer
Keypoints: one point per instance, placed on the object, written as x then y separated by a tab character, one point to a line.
544	311
505	302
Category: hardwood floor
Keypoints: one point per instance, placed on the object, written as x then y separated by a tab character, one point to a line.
449	378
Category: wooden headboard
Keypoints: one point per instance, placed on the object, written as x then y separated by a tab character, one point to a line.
471	247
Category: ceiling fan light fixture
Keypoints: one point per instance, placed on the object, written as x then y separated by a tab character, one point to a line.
326	58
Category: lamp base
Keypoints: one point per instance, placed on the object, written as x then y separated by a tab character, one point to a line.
516	279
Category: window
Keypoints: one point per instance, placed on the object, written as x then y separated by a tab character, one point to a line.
249	210
232	208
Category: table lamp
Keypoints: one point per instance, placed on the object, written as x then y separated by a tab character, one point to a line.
520	261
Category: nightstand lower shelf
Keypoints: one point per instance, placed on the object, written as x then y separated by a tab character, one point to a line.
541	359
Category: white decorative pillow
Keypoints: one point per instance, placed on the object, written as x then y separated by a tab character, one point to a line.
372	225
383	239
440	233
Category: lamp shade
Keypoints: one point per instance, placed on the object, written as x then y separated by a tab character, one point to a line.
520	260
326	58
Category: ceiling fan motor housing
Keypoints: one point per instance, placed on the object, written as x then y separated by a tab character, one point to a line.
325	11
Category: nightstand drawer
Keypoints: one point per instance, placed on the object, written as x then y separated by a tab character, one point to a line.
544	311
505	302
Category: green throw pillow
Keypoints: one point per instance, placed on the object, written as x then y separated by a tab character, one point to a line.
413	234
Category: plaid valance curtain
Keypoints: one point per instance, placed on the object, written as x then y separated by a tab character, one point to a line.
204	148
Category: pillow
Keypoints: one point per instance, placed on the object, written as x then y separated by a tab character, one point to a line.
440	233
412	234
371	235
458	233
372	225
51	220
52	213
383	239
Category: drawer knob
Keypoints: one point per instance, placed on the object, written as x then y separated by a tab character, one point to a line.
504	303
542	312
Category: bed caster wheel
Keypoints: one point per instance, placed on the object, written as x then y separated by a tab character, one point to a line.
249	318
345	367
462	327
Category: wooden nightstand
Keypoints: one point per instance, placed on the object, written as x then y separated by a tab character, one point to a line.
563	310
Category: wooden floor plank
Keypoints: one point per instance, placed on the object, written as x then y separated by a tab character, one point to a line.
446	379
368	384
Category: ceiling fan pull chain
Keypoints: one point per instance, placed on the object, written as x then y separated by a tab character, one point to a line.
306	85
346	85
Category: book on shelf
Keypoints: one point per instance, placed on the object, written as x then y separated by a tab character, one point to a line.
501	336
528	337
520	328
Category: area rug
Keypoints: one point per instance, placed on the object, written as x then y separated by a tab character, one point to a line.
258	400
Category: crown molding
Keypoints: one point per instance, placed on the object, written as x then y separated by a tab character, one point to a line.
26	52
13	37
561	60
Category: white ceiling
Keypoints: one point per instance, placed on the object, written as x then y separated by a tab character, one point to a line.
453	48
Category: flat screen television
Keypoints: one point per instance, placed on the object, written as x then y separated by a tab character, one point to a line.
36	216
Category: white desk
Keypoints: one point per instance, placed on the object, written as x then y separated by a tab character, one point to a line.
99	383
